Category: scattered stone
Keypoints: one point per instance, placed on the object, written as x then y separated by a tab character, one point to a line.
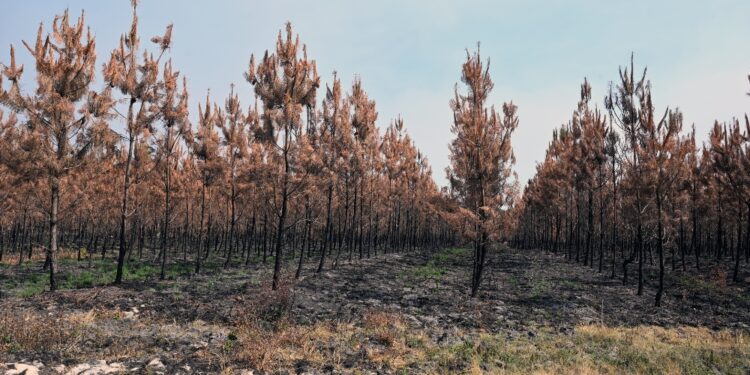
79	369
409	297
413	320
199	345
448	338
156	364
22	369
429	320
99	367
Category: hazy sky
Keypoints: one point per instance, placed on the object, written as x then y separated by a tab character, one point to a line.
409	53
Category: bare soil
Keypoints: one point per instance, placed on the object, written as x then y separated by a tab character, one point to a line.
188	324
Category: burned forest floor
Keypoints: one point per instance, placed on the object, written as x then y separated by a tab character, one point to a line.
391	314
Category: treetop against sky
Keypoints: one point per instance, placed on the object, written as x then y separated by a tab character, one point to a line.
406	53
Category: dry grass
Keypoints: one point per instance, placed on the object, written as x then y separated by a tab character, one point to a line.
399	346
597	349
265	349
26	331
652	349
384	342
72	335
718	276
386	327
264	335
39	255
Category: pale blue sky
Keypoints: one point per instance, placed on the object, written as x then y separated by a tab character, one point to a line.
409	53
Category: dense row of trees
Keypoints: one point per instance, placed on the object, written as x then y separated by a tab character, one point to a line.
630	185
89	167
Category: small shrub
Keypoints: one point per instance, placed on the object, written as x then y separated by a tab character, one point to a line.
718	276
386	327
267	306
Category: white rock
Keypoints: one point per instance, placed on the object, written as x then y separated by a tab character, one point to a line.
113	368
78	369
99	368
200	345
22	369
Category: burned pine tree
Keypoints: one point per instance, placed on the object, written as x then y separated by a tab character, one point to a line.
64	117
481	157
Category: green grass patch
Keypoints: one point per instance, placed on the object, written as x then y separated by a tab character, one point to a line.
429	271
452	254
258	259
176	270
140	272
32	285
539	288
568	284
30	280
512	281
436	266
87	279
696	284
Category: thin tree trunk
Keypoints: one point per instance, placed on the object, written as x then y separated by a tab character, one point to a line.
52	249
